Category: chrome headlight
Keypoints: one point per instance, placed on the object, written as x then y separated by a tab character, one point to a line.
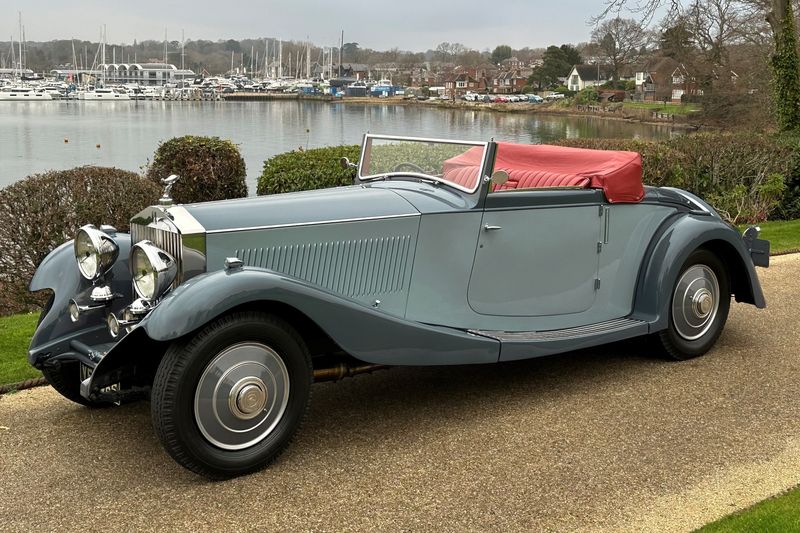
153	270
95	252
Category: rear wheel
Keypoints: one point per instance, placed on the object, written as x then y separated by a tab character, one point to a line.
701	299
230	400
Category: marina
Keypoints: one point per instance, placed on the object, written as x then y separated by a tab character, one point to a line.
40	136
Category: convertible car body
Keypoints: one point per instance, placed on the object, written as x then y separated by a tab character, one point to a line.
441	253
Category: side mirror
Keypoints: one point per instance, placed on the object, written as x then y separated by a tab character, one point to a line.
499	177
345	163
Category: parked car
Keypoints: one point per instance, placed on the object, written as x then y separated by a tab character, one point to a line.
535	98
224	313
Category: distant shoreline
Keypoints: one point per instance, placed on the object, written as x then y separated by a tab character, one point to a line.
511	108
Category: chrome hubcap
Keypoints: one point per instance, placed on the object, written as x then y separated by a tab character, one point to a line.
247	398
241	396
695	302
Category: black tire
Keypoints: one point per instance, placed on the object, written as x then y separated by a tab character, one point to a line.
193	433
65	379
678	340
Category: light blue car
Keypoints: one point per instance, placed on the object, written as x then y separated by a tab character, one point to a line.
223	314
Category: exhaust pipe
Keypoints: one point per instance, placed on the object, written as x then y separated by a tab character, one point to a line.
343	370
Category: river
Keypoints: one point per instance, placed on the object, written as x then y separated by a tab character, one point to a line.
39	136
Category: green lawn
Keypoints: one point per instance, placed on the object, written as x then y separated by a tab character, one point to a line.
776	515
15	335
675	109
783	235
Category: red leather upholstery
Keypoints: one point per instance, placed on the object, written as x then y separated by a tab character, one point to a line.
464	176
527	179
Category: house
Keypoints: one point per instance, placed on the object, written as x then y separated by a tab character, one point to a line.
509	82
512	63
583	76
358	71
665	80
457	85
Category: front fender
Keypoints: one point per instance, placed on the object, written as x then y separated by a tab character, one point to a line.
366	333
59	273
677	241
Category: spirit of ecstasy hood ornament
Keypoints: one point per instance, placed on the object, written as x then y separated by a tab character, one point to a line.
168	183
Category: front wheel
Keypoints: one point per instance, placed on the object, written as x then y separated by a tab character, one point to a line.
701	299
229	400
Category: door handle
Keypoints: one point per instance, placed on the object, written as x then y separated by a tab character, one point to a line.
487	227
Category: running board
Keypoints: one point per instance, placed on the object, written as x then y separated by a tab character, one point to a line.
526	344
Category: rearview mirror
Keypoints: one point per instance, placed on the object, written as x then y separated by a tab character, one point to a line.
345	163
499	177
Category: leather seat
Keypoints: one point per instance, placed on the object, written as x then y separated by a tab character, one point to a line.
530	179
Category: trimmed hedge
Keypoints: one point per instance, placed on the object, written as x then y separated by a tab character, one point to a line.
44	210
743	175
301	170
210	169
747	177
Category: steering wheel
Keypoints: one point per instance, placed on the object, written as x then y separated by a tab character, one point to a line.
408	166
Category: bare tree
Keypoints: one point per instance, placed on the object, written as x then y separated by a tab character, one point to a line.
621	41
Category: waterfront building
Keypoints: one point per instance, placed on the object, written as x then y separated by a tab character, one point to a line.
157	74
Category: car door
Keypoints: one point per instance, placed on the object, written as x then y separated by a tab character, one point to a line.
537	253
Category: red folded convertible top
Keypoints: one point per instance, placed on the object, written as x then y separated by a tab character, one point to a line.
618	173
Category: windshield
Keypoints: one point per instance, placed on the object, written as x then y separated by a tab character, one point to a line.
456	163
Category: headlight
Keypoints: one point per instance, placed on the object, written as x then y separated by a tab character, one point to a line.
95	252
153	270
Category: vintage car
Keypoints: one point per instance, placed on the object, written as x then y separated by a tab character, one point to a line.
441	253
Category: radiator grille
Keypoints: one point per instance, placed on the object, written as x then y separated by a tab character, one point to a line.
353	267
169	241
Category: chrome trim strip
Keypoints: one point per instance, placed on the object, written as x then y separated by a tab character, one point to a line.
373	177
609	326
312	223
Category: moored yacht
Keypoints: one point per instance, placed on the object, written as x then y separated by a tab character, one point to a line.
28	94
103	94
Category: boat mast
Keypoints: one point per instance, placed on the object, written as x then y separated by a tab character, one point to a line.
280	60
19	57
308	57
183	51
103	57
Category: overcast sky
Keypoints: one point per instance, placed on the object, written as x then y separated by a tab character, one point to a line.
415	25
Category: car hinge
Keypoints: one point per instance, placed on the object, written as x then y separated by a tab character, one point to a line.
597	284
600	210
599	247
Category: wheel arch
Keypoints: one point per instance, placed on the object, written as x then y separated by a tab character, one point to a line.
664	259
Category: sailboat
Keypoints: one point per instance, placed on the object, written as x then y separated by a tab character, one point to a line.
103	94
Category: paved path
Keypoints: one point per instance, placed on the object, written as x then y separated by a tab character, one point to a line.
599	440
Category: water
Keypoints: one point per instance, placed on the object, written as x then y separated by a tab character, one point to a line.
39	136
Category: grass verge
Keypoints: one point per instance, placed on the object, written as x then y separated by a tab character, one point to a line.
783	235
674	109
778	515
15	335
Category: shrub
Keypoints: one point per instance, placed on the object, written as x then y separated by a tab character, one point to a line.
742	175
302	170
790	202
44	210
587	96
210	168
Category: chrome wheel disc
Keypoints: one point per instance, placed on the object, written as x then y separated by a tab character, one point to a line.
695	302
241	396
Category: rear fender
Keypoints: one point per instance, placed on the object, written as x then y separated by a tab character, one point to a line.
677	241
364	332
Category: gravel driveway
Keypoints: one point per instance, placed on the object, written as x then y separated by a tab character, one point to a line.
604	439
